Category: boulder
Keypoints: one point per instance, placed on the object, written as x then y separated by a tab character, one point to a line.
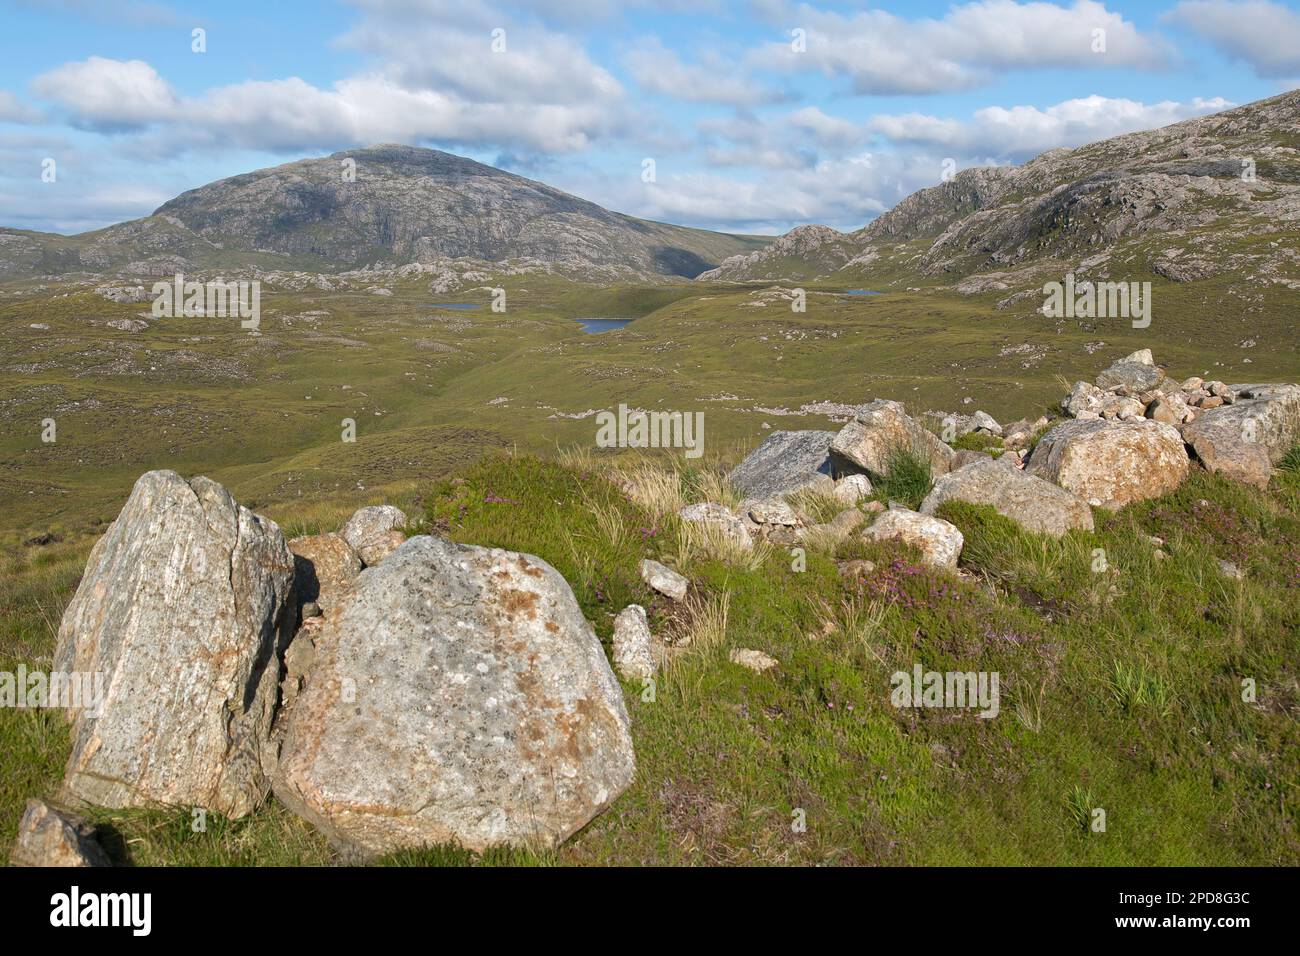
878	430
1244	440
664	580
48	836
719	517
772	511
368	525
1141	356
324	566
1084	401
381	547
1170	409
1109	464
458	696
183	606
632	643
939	541
853	488
1130	378
786	462
1029	501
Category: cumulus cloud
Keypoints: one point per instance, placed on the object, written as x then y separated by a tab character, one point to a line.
1266	35
659	70
106	94
882	53
1021	132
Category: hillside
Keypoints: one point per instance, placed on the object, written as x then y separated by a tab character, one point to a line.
1171	202
383	205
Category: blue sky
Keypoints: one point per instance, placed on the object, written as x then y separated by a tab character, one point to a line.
759	116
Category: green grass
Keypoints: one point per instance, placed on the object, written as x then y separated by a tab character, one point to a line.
1120	690
908	477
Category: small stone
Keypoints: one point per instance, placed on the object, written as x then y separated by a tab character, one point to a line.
48	836
1230	570
633	655
756	661
664	579
853	488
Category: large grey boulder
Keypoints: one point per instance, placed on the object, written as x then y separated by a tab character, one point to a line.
182	608
1127	377
785	462
49	836
1028	500
878	430
1244	440
1109	463
458	695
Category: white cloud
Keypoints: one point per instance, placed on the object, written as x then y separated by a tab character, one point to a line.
106	94
1265	35
13	110
1021	132
881	53
660	71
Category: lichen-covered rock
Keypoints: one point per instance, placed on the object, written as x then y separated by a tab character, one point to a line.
324	566
853	488
1031	502
720	518
1244	440
1110	464
785	462
380	547
1130	378
368	525
882	428
664	580
182	608
756	661
632	643
458	696
48	836
940	542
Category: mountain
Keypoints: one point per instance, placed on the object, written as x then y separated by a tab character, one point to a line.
386	205
1172	202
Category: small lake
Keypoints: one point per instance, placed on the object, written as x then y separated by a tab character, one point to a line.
596	326
452	305
861	292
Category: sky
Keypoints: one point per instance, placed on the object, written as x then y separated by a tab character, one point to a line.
750	117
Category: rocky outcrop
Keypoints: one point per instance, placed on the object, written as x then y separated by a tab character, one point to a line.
881	429
786	462
49	836
1110	464
458	696
1244	440
1030	501
939	541
182	607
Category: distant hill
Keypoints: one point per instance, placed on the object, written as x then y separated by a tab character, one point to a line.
404	204
1171	202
